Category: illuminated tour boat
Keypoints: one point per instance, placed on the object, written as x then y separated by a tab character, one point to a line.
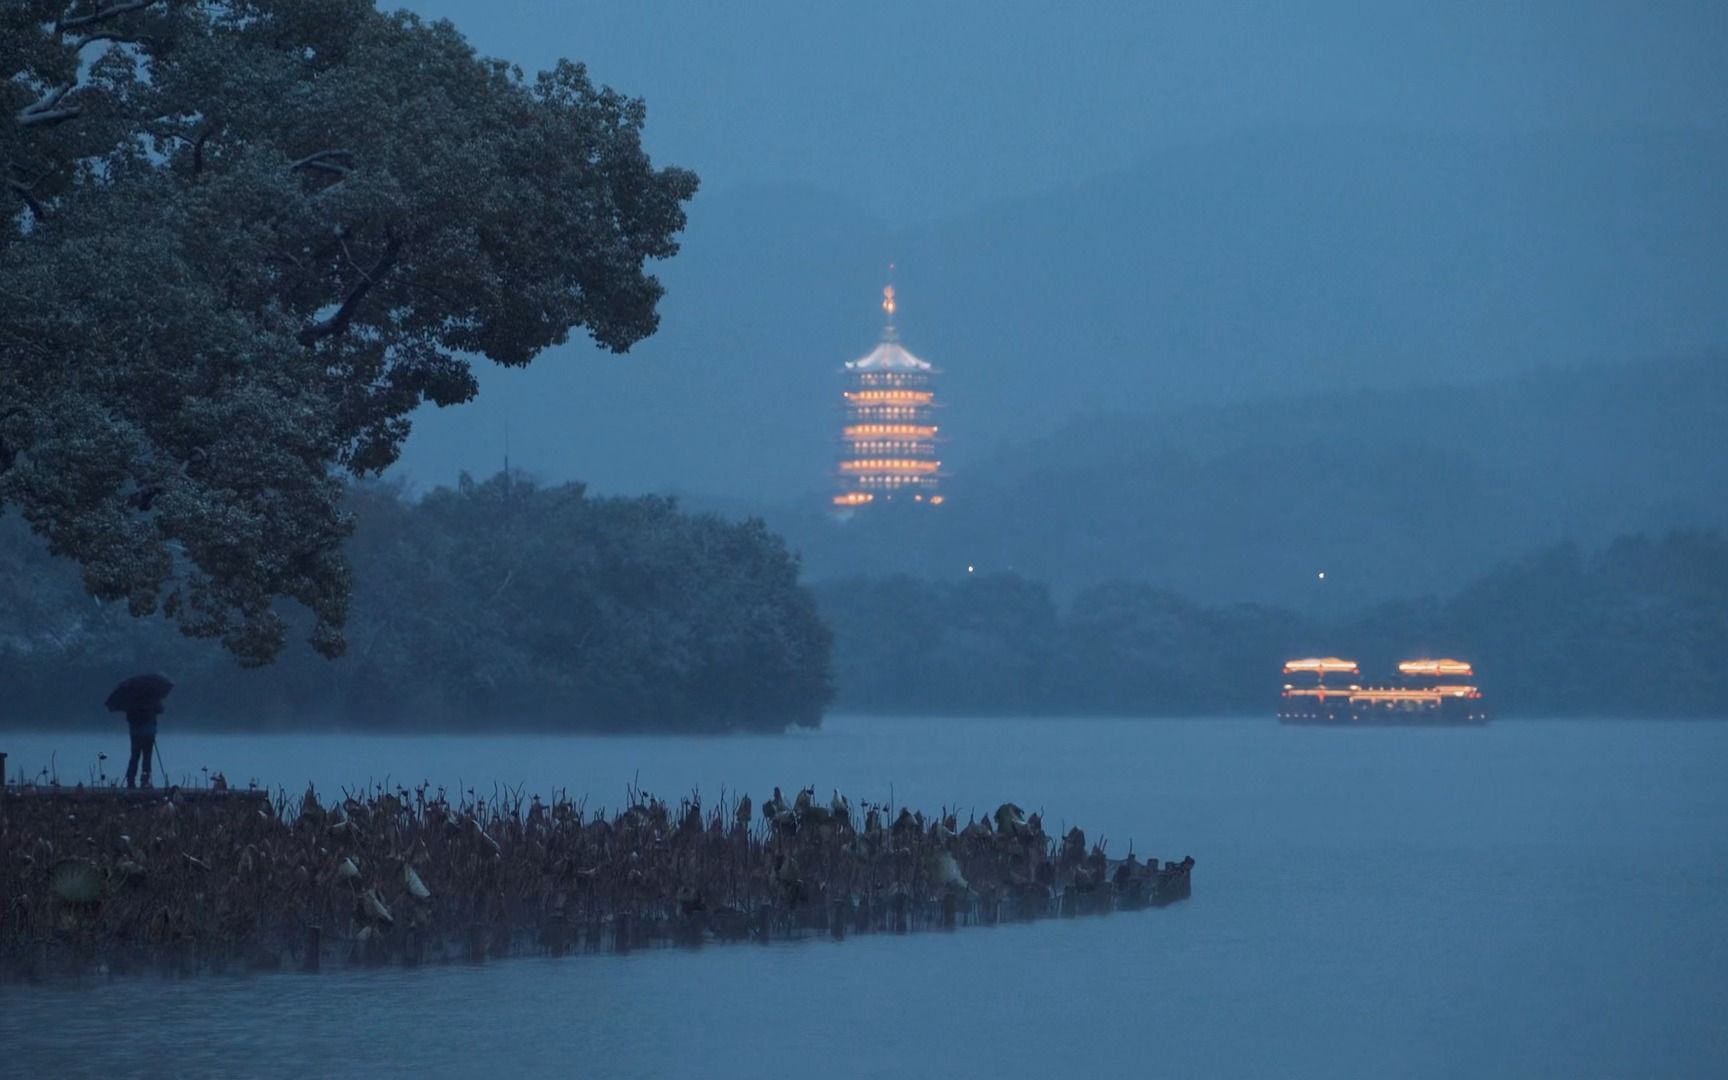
1329	690
888	438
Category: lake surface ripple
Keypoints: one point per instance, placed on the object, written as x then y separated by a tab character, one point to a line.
1527	899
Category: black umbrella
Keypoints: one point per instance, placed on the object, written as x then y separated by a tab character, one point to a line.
140	693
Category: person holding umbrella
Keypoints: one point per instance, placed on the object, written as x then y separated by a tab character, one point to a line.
140	698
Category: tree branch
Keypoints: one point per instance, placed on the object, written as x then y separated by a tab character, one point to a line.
101	15
339	320
198	150
53	116
29	199
106	35
46	101
43	111
321	160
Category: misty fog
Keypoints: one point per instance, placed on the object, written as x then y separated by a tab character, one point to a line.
1306	657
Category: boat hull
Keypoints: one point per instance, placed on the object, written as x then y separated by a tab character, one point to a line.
1450	713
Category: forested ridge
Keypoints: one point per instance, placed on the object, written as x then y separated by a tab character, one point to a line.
503	604
496	604
1636	629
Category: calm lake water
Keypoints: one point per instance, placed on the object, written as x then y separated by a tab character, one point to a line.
1526	899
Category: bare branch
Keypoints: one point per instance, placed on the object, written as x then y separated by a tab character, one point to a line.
101	15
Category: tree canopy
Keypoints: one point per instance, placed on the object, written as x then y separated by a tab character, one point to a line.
505	603
495	603
252	236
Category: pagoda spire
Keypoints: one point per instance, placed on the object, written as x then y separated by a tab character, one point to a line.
888	308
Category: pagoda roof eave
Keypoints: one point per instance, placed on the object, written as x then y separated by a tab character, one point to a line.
890	356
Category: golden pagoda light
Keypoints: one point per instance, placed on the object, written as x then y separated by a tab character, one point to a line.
879	431
895	397
889	465
888	438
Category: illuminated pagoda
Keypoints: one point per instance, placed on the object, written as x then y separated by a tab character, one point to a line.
888	438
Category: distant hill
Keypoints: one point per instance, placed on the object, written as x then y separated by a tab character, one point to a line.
1316	262
1633	630
1389	492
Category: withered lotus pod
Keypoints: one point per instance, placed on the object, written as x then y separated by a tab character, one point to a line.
76	881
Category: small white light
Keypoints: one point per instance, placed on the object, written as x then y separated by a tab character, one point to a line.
968	568
1321	575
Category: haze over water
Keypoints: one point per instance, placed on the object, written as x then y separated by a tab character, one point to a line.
1530	898
1314	306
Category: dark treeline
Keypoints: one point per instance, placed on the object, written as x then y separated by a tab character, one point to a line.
505	604
491	604
1638	629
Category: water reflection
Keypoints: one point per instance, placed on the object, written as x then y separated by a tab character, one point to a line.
1530	898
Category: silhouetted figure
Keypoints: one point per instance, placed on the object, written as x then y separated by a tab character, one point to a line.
140	698
142	722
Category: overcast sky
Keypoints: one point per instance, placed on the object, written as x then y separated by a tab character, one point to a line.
920	109
901	127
